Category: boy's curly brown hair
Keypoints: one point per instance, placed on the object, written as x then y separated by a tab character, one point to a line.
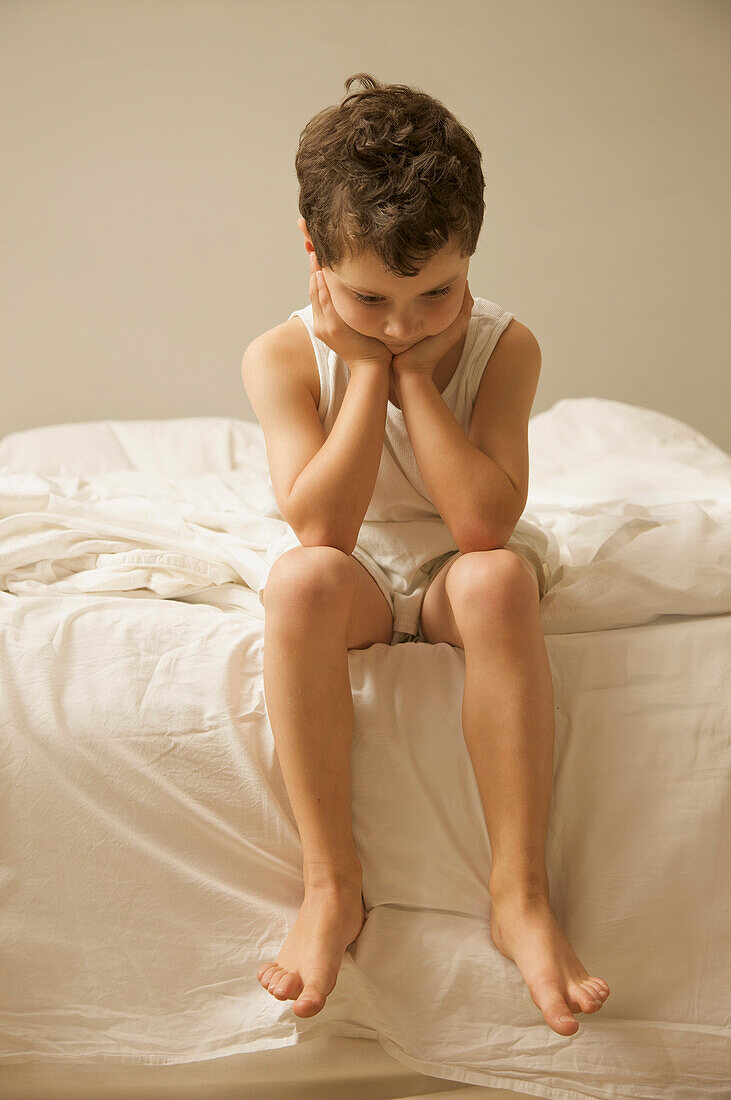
390	171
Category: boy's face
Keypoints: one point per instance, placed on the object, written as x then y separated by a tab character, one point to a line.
405	309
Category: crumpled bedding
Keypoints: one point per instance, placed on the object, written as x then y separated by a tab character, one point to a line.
149	858
132	524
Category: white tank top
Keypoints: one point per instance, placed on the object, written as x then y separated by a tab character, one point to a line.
403	540
401	520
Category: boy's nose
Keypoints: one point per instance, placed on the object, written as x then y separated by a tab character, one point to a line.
402	339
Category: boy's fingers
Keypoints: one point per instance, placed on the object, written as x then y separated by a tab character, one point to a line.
315	295
319	288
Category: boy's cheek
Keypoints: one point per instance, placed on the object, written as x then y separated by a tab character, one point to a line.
352	317
341	305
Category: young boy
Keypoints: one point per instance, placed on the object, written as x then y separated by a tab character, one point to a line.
395	412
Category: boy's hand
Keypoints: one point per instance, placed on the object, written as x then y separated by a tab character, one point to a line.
329	326
424	356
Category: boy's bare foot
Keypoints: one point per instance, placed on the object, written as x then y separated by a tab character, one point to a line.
306	968
526	931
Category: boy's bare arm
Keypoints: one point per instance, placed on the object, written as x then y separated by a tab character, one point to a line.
323	485
331	495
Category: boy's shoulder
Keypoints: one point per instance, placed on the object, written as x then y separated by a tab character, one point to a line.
291	345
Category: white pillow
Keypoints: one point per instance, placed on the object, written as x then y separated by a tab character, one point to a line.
187	447
581	449
592	449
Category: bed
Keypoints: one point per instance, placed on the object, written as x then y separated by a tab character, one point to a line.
149	857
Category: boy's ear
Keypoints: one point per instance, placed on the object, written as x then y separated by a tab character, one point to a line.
302	226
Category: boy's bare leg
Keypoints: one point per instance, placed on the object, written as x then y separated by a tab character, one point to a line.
508	724
310	707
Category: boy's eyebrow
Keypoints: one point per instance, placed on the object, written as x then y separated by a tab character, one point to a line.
375	294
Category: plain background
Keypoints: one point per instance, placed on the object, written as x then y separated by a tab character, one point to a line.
148	199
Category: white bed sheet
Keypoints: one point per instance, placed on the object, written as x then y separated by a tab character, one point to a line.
149	857
328	1068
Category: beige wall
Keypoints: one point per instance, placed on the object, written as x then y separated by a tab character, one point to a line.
148	200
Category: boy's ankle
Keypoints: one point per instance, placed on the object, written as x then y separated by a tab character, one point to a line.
338	874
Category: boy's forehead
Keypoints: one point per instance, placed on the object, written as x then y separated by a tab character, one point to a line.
367	269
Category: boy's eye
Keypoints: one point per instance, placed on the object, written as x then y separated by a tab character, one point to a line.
374	301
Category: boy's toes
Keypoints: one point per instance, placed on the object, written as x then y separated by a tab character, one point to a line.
272	980
308	1006
277	983
312	998
266	972
587	997
556	1011
562	1020
288	986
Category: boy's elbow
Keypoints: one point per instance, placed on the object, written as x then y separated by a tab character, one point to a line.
312	532
322	538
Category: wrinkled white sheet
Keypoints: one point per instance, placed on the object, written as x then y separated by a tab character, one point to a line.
135	525
149	858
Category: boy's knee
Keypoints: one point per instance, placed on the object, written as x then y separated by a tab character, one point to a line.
311	573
